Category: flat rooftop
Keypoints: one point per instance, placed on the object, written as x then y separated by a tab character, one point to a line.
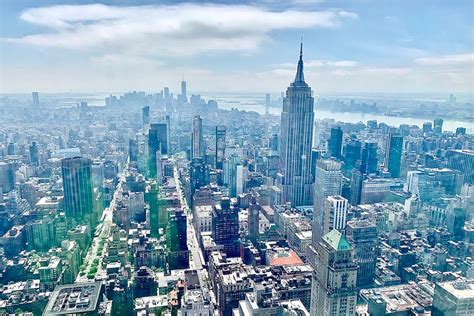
74	299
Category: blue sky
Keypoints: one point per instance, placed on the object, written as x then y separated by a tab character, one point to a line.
349	46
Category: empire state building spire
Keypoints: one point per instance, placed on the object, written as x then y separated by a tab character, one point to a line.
299	79
297	118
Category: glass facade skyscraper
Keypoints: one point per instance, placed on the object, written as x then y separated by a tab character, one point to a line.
335	142
77	185
393	155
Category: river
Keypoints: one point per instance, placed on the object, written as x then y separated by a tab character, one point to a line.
349	117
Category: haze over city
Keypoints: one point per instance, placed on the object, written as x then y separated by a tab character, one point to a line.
283	158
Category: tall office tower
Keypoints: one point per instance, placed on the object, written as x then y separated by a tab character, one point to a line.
297	118
393	154
220	146
335	142
11	149
362	235
335	213
199	174
333	289
77	185
369	159
463	161
438	125
36	102
356	186
184	96
132	149
157	140
145	117
166	91
267	103
34	154
352	154
274	142
372	124
254	220
168	129
328	182
7	177
176	239
225	227
230	173
427	127
197	141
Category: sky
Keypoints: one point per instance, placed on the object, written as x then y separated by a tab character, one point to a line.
405	46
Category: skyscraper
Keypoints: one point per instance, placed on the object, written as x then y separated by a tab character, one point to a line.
176	239
352	154
438	125
333	289
77	185
427	127
34	154
133	149
267	103
335	217
184	97
297	118
362	235
328	182
393	154
166	91
254	220
145	117
335	142
7	176
36	103
369	159
157	140
462	160
197	142
225	227
220	146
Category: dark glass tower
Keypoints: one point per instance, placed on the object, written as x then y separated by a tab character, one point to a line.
352	154
177	239
133	150
393	155
225	227
77	185
157	140
297	118
335	142
438	125
34	154
369	159
146	117
220	146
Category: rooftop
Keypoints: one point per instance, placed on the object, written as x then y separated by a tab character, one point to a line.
74	298
336	240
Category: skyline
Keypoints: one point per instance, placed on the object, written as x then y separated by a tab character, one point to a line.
350	46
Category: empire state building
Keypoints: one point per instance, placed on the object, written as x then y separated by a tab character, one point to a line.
297	117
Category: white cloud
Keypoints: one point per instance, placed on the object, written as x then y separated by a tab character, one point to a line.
322	63
446	60
167	30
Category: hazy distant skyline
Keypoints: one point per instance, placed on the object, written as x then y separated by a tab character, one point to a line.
349	46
